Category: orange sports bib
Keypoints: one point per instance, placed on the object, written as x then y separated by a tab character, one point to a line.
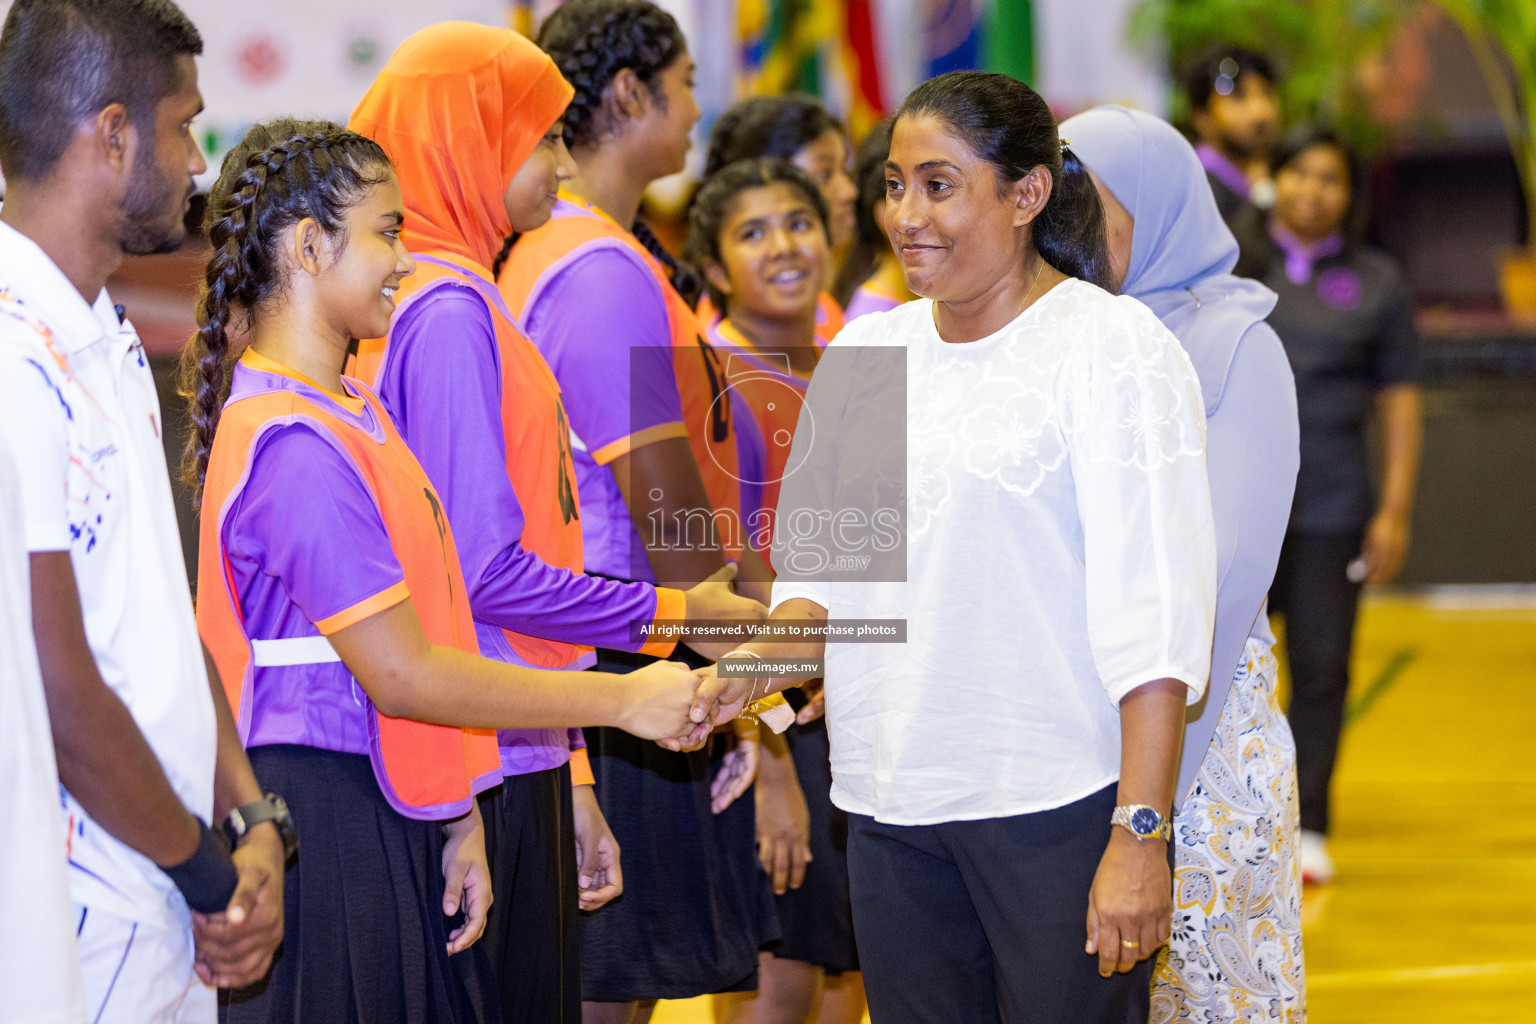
426	771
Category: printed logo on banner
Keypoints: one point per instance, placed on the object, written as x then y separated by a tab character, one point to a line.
260	59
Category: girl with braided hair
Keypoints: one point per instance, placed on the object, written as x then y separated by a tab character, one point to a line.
655	451
331	598
479	407
800	130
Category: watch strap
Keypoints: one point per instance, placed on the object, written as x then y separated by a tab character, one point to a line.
269	808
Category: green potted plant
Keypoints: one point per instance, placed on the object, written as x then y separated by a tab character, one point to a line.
1320	45
1510	26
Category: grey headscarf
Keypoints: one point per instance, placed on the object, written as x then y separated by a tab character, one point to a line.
1182	252
1182	257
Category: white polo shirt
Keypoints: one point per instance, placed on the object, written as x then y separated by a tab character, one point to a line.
79	412
39	965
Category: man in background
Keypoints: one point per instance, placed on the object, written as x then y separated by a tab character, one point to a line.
1234	109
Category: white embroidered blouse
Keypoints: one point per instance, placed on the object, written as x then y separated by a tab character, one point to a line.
1060	553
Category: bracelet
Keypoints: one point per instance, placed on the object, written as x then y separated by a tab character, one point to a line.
207	879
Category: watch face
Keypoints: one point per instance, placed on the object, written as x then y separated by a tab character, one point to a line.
1145	821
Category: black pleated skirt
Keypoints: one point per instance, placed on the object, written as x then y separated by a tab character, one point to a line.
364	935
696	907
817	918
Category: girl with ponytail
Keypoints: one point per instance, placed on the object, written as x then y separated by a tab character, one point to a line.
1058	598
331	598
655	450
800	130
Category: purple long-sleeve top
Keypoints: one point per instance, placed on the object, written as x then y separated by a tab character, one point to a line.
442	385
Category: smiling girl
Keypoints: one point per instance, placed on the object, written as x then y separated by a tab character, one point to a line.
758	231
800	130
331	597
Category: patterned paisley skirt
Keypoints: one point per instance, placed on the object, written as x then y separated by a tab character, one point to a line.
1235	953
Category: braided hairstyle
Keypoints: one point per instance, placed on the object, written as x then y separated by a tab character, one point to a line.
869	238
778	126
1008	124
712	205
591	41
281	172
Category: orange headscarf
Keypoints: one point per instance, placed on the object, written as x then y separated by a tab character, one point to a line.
459	107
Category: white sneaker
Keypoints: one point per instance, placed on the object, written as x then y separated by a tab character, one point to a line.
1316	864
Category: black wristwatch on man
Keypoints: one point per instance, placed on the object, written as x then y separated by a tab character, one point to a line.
269	808
208	878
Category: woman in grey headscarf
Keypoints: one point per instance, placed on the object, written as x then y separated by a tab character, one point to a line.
1236	942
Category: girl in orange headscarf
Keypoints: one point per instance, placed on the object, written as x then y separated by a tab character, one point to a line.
654	432
471	117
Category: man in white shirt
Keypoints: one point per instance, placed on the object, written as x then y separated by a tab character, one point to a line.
39	968
96	103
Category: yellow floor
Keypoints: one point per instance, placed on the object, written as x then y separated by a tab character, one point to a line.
1433	915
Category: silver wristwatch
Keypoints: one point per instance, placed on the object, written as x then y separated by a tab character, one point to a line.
1142	821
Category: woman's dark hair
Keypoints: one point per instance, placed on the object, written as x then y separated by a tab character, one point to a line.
279	174
1007	124
712	205
1304	137
778	126
869	237
591	41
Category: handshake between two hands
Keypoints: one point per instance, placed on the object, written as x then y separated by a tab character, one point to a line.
679	707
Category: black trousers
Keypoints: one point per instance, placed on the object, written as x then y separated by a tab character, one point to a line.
984	921
533	935
1319	604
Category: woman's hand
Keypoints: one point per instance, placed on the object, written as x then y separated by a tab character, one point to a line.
1385	547
598	875
814	708
738	769
467	878
715	601
1130	907
783	819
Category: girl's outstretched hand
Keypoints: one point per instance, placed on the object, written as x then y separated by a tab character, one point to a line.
660	697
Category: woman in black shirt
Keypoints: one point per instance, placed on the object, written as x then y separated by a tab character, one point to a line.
1345	317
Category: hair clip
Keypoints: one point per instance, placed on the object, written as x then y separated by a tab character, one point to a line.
1065	143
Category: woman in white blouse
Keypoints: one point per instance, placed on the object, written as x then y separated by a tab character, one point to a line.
1058	586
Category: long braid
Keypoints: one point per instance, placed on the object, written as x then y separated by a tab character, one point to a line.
684	280
317	170
501	257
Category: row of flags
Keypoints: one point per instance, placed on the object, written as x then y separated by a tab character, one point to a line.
860	56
